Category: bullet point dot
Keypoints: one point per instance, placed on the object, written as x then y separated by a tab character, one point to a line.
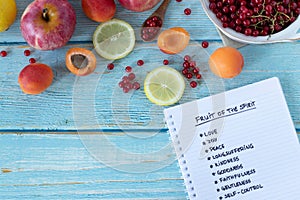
216	182
208	158
206	151
213	173
211	166
201	135
203	143
218	190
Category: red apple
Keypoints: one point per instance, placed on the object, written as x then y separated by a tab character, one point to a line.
48	24
138	5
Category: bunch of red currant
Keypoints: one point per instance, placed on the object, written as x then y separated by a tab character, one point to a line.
256	17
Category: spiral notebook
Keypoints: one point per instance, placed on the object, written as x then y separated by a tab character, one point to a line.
240	144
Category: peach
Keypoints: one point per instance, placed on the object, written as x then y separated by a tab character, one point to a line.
99	10
35	78
173	40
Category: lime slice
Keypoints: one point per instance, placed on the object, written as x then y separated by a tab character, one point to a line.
114	39
164	86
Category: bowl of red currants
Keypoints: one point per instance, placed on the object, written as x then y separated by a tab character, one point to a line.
255	21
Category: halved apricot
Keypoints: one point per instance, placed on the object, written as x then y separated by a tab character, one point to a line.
35	78
80	61
173	40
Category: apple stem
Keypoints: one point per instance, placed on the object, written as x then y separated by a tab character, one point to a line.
45	14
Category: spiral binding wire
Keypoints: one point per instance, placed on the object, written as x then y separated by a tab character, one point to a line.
182	162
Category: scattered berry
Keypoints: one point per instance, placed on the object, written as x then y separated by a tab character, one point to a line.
178	0
187	58
126	89
128	69
205	44
136	85
165	62
193	84
187	11
27	52
128	83
152	26
140	62
110	66
32	60
131	76
3	53
121	84
198	76
190	70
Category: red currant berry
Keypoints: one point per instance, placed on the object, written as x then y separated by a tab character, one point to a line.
187	11
198	76
121	84
110	66
193	84
136	85
193	64
205	44
186	64
131	76
125	89
165	62
32	60
27	52
185	71
128	69
189	75
178	0
196	70
187	58
3	53
125	79
140	62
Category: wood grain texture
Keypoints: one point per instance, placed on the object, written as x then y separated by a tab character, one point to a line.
43	166
67	166
95	102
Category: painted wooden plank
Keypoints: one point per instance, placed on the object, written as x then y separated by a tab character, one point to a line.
197	23
43	166
96	101
59	167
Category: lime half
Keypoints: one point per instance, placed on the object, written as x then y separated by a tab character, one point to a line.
164	86
114	39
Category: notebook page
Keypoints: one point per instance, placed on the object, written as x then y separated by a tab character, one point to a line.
240	144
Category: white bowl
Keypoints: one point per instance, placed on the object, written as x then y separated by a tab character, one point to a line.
286	35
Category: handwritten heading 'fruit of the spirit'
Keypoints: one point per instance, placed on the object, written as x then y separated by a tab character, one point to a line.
210	116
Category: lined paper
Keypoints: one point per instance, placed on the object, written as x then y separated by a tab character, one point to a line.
240	144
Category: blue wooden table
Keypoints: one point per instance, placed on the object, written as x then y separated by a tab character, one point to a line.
85	139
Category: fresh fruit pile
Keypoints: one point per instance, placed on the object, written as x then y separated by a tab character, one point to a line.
256	17
49	24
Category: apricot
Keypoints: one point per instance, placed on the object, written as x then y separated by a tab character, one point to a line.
99	10
173	40
80	61
35	78
226	62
